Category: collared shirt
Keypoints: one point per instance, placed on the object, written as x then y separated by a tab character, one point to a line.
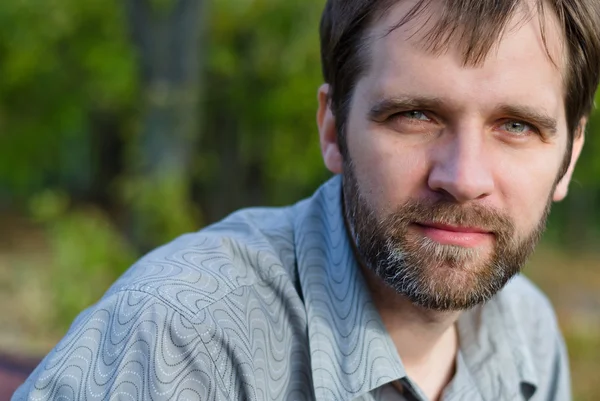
270	304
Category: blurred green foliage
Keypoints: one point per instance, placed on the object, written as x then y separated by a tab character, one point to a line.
87	253
60	61
72	114
263	70
77	103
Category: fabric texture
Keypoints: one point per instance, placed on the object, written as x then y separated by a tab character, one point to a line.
270	304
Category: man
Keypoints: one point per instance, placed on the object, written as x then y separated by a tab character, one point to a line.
451	126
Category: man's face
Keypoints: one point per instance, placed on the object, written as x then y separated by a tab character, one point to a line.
450	170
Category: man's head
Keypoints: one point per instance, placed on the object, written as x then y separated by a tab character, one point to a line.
455	124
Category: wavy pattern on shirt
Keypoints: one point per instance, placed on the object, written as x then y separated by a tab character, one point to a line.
268	305
131	346
350	331
209	317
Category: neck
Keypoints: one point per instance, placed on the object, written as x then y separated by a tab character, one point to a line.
415	330
426	340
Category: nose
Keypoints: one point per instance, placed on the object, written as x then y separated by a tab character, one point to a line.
461	169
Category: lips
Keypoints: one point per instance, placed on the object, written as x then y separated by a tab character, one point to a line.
468	237
456	229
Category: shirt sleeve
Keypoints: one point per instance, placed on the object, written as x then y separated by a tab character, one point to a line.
130	346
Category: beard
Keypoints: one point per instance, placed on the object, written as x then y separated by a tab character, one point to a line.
432	275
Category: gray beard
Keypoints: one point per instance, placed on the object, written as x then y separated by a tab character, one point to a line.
432	275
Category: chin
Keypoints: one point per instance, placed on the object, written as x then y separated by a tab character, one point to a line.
449	279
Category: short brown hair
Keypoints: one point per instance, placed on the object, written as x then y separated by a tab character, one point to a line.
476	25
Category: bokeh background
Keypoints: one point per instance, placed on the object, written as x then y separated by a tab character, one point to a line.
124	123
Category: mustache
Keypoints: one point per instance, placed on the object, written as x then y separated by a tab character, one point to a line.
395	224
444	212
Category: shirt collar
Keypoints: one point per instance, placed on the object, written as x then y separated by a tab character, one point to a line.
351	351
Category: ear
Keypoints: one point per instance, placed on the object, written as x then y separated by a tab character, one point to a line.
327	133
563	185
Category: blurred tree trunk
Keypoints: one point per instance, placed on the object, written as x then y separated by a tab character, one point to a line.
237	181
107	144
228	194
167	35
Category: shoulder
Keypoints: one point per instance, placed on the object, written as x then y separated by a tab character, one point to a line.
250	247
530	327
162	328
526	316
130	345
530	307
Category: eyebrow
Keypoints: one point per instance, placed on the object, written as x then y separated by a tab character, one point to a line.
390	105
387	106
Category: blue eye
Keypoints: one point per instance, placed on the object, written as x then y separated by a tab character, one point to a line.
517	127
415	115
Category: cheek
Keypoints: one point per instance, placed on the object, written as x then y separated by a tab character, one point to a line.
527	190
388	172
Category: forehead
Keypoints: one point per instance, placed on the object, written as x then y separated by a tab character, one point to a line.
521	64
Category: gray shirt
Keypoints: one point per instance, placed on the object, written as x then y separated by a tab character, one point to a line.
269	304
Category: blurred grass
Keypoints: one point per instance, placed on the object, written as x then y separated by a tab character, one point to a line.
51	269
49	272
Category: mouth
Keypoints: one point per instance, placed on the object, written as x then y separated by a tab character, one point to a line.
468	237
